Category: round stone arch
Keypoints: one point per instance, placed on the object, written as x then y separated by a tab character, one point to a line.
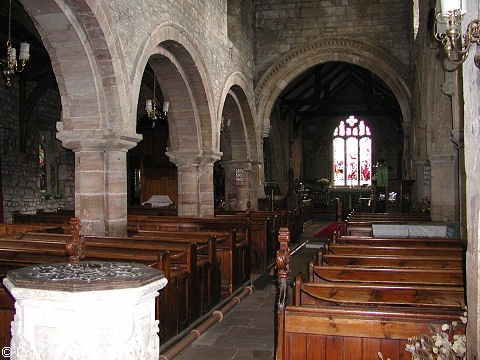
296	61
90	81
172	42
237	89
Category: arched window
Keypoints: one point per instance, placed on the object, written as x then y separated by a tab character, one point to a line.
352	153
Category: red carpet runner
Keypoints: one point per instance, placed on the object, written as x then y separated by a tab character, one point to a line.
327	231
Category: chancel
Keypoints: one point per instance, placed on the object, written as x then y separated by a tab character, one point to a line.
298	177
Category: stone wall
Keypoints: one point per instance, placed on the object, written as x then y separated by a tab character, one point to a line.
471	93
432	130
205	22
20	168
282	25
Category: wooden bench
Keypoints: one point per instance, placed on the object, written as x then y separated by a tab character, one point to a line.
232	254
405	242
171	308
433	262
368	275
183	296
345	294
394	250
332	320
204	284
353	333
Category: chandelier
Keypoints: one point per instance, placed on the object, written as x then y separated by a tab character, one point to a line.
455	45
151	108
225	125
10	63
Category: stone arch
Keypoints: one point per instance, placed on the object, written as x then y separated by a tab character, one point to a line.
191	85
239	159
90	81
364	54
237	90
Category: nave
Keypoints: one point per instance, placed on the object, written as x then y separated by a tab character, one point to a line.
248	330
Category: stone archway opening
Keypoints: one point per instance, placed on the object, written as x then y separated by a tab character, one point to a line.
274	86
237	172
183	139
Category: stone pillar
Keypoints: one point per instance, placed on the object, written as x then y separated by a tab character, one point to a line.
195	181
421	186
100	179
443	186
241	184
85	310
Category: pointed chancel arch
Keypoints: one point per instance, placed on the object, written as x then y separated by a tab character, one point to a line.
90	74
185	83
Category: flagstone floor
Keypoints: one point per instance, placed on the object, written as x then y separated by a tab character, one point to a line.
248	330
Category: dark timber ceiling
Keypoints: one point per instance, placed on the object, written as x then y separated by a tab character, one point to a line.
339	89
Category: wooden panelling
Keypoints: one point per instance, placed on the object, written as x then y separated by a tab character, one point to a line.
316	347
334	347
161	181
370	348
352	348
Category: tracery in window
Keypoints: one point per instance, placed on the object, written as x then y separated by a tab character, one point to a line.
352	153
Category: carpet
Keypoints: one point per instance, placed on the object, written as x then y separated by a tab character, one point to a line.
327	231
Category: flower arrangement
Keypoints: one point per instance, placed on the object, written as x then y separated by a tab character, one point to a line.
423	205
324	184
443	344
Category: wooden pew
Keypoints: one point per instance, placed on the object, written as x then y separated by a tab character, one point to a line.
394	250
405	242
368	275
433	262
6	229
170	306
203	288
191	286
350	331
353	333
232	254
255	262
306	293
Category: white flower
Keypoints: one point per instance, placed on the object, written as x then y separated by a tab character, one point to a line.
445	327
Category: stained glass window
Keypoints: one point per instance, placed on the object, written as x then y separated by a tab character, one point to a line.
352	153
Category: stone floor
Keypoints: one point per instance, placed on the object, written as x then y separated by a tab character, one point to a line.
248	330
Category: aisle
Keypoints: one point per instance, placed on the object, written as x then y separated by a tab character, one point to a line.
248	330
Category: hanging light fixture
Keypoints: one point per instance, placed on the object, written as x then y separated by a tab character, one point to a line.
151	108
10	63
455	45
225	125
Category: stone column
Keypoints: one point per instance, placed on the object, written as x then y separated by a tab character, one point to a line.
421	186
100	179
241	184
195	181
85	310
443	186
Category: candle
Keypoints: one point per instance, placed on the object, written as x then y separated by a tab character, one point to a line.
450	5
166	105
13	54
24	51
148	105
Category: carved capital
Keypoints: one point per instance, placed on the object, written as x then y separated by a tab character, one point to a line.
193	157
77	140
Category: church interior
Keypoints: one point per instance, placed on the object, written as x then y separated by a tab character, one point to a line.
225	131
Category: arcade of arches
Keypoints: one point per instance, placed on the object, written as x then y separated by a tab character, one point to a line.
281	74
